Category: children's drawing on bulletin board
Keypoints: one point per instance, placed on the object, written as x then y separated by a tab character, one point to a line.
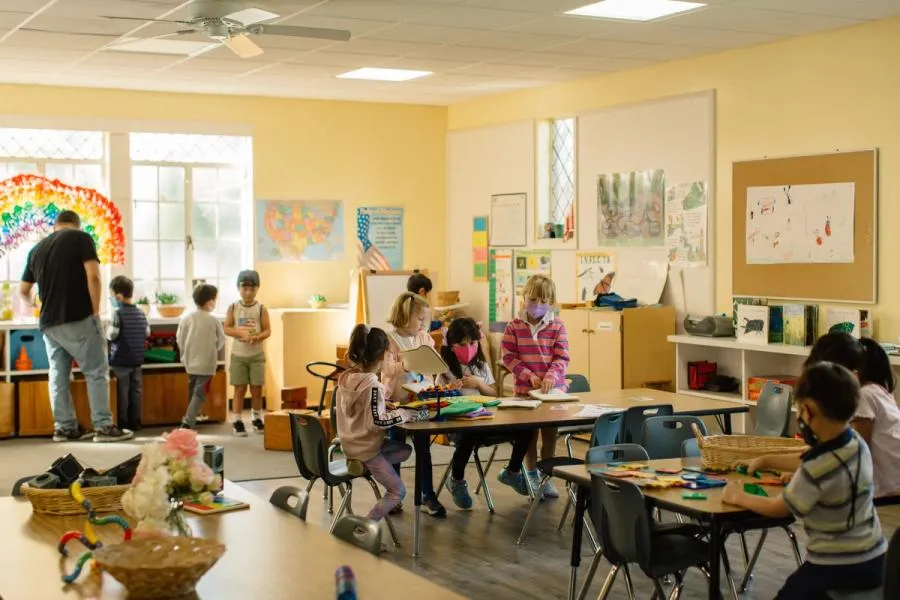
528	263
686	224
379	237
299	230
594	274
500	304
630	208
800	223
480	248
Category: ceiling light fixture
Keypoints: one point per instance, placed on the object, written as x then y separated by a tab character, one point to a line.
157	46
635	10
376	74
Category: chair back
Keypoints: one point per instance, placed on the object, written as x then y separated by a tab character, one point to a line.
332	414
606	429
690	448
600	455
662	437
324	370
633	421
621	519
773	410
310	446
892	568
361	532
291	499
578	384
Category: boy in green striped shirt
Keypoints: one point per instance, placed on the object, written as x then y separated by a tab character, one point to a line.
831	491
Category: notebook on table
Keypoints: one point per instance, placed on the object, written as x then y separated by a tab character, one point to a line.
553	396
519	403
218	505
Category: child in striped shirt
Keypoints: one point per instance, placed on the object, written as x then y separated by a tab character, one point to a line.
536	350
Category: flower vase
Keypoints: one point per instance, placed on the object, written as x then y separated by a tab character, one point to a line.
176	520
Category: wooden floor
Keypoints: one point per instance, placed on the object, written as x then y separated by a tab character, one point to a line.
475	553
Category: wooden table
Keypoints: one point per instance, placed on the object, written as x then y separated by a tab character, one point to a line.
561	414
270	554
717	515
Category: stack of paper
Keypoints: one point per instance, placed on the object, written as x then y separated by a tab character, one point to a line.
516	403
596	410
553	396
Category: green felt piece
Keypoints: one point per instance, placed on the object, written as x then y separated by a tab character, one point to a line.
755	489
460	408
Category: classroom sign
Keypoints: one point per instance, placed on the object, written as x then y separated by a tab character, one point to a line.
379	238
299	230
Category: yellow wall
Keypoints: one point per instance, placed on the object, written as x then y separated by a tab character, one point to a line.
836	90
364	154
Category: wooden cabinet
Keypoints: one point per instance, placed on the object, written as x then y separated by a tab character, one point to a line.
36	411
165	398
7	409
622	349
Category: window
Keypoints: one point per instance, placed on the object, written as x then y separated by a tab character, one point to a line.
556	196
73	157
191	218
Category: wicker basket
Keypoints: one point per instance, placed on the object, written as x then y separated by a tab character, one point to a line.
60	502
721	452
160	568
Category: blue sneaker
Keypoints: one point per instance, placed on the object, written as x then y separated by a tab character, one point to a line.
460	491
514	480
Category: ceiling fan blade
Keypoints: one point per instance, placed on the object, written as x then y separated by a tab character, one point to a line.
178	33
145	20
338	35
243	46
251	16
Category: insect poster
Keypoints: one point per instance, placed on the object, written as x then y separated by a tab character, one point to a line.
800	223
594	274
630	208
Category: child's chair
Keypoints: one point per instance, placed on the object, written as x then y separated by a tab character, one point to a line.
663	437
361	532
291	499
328	373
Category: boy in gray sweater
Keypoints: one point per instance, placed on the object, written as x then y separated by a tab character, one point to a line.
200	338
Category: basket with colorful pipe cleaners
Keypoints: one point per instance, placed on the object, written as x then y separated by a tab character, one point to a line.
89	536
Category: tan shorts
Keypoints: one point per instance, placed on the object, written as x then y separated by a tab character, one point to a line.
247	370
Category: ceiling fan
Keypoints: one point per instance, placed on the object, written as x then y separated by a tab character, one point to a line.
235	29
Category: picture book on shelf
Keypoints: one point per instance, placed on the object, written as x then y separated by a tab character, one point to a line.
776	325
854	321
753	324
740	300
219	504
800	324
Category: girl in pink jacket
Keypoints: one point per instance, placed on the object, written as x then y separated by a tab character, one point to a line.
363	417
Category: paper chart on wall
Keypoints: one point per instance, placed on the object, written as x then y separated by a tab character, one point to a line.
480	248
379	237
686	224
594	273
500	301
800	223
509	220
630	208
528	263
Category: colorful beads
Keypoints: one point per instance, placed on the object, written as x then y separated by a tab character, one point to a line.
29	205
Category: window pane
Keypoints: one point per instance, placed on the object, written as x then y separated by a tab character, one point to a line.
229	221
228	293
189	148
145	260
171	221
229	259
144	287
203	222
64	173
204	185
143	183
51	143
17	260
172	264
90	176
171	184
204	260
23	168
144	221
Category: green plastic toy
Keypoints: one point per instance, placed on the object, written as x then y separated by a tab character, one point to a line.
755	489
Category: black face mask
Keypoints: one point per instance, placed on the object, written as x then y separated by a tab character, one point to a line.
806	432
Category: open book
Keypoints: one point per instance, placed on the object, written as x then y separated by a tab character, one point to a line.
424	360
553	396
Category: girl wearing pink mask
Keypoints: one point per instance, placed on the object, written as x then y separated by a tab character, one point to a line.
463	354
536	350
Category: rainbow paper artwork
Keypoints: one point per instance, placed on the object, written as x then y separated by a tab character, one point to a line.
29	205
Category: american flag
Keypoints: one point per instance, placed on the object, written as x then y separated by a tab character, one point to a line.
370	257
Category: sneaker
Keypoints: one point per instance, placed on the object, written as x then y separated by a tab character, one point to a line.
460	491
550	490
397	509
75	435
534	479
432	507
186	426
514	480
258	425
238	429
111	433
355	467
201	418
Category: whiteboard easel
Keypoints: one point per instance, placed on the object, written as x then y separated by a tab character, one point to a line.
376	293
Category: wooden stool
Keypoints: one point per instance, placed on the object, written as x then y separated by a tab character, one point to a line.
293	398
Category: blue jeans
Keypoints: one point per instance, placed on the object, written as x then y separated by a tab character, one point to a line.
84	342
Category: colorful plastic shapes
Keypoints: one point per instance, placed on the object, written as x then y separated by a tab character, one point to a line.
89	537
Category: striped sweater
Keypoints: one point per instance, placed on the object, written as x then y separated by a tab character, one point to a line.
541	350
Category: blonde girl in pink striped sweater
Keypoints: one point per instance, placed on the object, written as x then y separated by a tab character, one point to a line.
535	349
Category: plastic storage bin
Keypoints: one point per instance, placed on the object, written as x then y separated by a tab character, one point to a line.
33	342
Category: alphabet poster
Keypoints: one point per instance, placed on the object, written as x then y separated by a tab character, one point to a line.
800	223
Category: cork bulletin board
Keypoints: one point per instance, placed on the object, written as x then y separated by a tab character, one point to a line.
854	281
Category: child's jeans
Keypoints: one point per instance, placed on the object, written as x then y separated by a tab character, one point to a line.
128	397
382	469
813	582
466	443
198	387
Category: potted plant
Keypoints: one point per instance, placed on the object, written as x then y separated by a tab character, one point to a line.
167	305
317	301
143	303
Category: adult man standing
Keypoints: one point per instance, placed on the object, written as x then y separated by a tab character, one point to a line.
66	268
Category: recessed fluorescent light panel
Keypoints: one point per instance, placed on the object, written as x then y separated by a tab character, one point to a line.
635	10
376	74
157	46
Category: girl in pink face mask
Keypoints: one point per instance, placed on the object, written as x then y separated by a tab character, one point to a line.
463	354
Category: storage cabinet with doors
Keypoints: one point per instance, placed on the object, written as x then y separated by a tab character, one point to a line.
36	411
165	398
622	349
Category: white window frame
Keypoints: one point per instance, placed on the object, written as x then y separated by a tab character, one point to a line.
543	183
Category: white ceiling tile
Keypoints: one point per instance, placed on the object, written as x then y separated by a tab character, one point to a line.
58	40
665	52
9	20
598	48
429	64
382	47
568	26
544	7
336	58
749	19
201	63
536	59
60	56
611	64
730	39
292	72
379	10
429	34
474	18
75	25
356	27
134	60
851	9
147	9
511	40
465	53
501	70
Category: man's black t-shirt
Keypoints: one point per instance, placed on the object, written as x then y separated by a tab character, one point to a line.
56	264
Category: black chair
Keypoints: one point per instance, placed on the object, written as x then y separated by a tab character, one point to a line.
690	448
328	375
628	536
291	499
633	422
311	453
577	384
663	437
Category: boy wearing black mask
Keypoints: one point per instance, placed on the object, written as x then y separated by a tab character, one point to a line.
831	491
